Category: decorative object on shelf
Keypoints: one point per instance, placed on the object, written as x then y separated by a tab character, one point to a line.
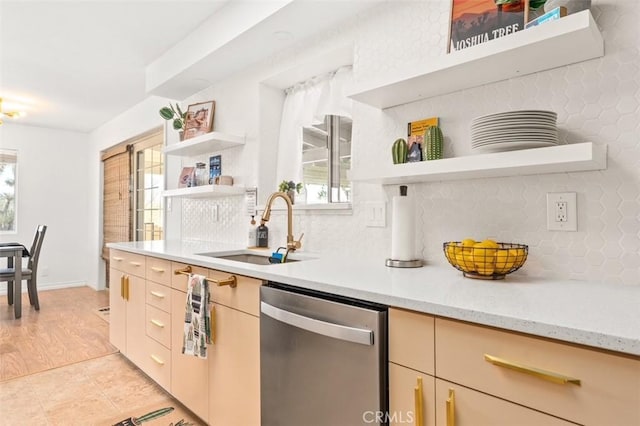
433	143
290	188
399	151
552	15
223	180
572	6
486	260
186	177
415	148
535	10
215	167
484	20
176	115
421	126
199	119
201	177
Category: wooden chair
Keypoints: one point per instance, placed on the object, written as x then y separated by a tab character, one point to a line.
30	273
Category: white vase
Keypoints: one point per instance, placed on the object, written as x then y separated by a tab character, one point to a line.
572	6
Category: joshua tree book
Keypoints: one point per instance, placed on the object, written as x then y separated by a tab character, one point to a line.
477	21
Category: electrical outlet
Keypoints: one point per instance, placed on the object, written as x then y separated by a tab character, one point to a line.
376	214
562	211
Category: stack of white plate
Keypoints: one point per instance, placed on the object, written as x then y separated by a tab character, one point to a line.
507	131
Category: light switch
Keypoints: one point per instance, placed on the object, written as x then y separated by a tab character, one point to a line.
376	214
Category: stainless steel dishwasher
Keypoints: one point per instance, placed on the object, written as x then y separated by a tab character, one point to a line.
323	359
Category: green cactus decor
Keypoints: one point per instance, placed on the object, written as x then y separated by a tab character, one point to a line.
399	151
432	144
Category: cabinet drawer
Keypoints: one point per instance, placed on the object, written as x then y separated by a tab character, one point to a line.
158	296
609	390
179	281
471	408
158	325
129	263
245	296
158	270
157	363
411	340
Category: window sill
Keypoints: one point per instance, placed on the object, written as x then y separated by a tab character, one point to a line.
308	209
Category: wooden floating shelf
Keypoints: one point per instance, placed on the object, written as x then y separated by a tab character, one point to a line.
204	144
556	159
205	191
574	38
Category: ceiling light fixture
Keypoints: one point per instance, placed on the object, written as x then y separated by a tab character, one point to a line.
9	114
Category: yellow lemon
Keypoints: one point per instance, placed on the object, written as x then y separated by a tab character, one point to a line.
451	252
504	261
468	242
490	243
484	257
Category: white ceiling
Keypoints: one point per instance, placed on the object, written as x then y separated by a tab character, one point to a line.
77	64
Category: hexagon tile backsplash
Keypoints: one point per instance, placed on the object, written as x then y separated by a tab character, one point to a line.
596	100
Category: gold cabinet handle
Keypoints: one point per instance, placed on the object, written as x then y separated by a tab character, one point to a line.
136	264
126	288
451	408
157	323
122	286
156	269
232	281
184	271
157	294
117	259
532	371
157	359
212	330
417	396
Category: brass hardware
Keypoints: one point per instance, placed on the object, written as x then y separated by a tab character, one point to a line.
126	288
118	259
232	281
417	396
122	286
158	295
156	269
533	371
212	329
157	323
451	408
136	264
157	359
266	215
184	271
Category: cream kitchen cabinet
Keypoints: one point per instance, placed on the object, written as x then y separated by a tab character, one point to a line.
189	375
127	304
234	360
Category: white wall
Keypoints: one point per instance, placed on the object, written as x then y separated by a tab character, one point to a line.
52	189
597	100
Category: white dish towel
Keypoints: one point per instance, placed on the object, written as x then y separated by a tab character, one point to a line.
197	321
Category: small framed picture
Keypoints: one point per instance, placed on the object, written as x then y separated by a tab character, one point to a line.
199	119
186	177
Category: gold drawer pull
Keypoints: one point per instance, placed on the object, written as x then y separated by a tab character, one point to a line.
122	286
158	295
126	287
136	264
156	269
157	359
451	408
232	281
533	371
184	271
417	397
117	259
212	330
157	323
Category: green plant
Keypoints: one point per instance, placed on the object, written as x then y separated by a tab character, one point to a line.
533	4
175	114
289	186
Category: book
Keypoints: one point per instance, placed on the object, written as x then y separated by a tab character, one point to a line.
421	126
478	21
215	167
186	177
551	15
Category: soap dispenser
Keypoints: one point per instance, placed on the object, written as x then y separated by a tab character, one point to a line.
263	235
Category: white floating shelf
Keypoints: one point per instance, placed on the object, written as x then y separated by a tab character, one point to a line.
555	159
204	144
206	191
574	38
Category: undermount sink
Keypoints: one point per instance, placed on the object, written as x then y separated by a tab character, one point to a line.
255	259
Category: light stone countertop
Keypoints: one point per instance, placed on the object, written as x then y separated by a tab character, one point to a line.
600	315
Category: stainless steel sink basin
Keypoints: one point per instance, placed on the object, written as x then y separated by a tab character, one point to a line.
255	259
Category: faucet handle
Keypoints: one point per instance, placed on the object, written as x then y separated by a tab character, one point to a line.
295	244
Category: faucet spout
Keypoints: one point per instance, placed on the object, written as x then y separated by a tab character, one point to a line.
292	244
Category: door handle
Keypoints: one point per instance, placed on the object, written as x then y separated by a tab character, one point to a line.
418	396
157	294
336	331
532	371
156	269
157	323
451	408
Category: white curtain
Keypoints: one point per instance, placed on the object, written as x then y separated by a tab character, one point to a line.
306	104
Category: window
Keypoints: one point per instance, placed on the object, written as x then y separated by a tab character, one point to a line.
8	163
326	157
149	183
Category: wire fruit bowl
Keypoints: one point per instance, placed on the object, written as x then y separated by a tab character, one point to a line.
486	263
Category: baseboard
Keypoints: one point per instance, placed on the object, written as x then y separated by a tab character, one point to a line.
48	286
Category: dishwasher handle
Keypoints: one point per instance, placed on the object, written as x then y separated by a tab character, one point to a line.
336	331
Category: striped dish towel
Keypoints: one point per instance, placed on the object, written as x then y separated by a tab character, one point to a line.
197	322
